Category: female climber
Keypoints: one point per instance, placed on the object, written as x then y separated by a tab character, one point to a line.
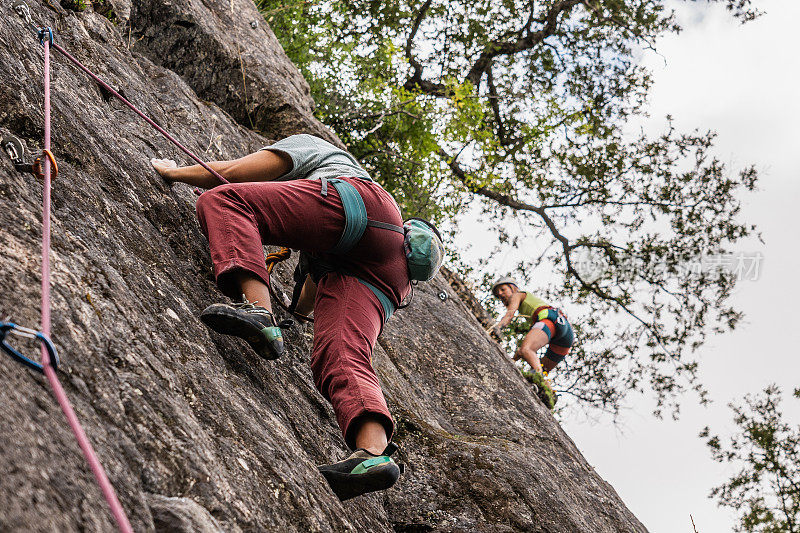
548	325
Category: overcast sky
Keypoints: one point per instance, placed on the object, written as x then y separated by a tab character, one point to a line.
742	82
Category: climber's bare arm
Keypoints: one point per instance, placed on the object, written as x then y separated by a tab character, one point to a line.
264	165
511	309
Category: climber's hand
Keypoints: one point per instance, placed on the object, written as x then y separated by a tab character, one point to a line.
494	331
164	167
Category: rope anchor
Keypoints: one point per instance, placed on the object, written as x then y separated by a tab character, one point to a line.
16	152
15	149
10	327
23	11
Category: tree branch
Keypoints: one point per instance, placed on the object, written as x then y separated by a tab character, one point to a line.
525	41
416	81
507	201
522	43
494	102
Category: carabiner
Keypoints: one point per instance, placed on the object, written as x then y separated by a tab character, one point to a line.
10	327
46	34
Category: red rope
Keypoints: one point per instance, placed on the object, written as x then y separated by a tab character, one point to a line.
136	110
49	371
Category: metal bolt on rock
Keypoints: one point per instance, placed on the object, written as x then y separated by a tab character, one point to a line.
22	10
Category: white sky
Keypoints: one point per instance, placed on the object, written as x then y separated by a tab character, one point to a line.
742	82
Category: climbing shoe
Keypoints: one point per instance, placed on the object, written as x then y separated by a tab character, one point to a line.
248	321
362	472
542	387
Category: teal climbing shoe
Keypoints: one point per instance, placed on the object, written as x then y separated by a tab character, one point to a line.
248	321
362	472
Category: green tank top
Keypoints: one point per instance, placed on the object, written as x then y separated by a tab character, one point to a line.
530	304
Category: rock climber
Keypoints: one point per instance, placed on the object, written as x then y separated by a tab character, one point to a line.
548	325
281	195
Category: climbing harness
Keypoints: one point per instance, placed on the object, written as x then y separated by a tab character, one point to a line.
355	213
7	328
421	242
356	222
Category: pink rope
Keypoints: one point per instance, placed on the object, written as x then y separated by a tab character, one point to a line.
91	457
105	485
136	110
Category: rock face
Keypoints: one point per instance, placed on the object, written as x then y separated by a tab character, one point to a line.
195	431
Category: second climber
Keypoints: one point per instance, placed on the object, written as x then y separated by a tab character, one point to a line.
548	325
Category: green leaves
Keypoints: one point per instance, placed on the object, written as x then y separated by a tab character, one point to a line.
765	490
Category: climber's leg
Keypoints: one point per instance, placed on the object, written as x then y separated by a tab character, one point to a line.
533	342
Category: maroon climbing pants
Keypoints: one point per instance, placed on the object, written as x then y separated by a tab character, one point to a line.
238	218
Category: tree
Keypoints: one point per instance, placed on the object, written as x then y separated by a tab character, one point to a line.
766	489
520	107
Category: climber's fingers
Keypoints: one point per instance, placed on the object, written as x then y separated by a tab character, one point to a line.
163	165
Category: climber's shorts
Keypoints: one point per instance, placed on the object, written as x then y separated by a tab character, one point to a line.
559	333
238	218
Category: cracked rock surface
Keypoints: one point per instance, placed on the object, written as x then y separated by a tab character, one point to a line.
196	432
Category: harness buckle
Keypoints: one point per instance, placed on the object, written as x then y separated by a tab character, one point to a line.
7	328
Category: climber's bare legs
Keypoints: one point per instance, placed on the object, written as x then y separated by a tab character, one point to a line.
371	434
254	289
533	342
305	305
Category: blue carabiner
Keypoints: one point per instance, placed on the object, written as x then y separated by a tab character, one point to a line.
10	327
46	34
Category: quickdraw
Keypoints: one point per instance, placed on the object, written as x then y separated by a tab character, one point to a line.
37	165
15	149
7	328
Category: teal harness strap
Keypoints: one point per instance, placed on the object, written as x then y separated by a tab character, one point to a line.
386	303
386	225
355	224
355	216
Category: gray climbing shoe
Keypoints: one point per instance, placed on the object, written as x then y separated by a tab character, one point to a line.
247	321
362	472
